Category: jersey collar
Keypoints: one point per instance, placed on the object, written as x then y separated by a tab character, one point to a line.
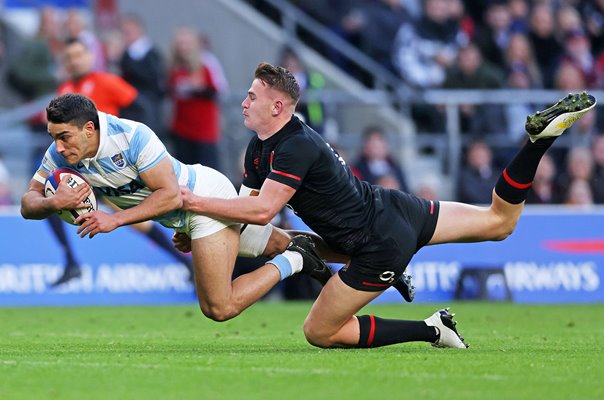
102	140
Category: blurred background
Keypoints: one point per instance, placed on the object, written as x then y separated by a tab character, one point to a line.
428	96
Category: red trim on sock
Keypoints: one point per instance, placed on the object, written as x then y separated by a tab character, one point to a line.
431	207
371	330
515	184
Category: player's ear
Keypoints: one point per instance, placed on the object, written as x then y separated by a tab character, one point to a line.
277	107
89	127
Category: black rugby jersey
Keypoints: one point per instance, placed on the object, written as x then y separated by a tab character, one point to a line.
329	198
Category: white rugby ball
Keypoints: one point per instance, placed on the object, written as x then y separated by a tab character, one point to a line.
75	179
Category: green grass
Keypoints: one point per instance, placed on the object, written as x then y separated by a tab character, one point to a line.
517	352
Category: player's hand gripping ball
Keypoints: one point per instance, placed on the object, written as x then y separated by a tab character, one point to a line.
74	179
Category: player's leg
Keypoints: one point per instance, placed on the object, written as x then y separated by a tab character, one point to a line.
219	297
465	223
72	266
270	241
215	249
332	323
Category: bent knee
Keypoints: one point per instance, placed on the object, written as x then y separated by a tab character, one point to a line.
316	338
218	313
503	230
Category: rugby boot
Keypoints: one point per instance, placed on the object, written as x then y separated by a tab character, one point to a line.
554	120
312	263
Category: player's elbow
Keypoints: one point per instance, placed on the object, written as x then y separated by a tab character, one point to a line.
27	212
263	218
266	213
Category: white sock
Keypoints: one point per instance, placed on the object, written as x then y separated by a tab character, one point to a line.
288	263
295	260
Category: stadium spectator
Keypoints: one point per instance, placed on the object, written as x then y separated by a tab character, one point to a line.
422	52
376	162
424	49
569	21
478	176
459	16
380	230
522	73
311	83
577	52
472	72
142	66
114	46
545	189
383	18
214	65
10	46
579	193
34	71
76	27
593	17
84	138
597	150
428	186
545	43
519	12
579	167
493	36
195	129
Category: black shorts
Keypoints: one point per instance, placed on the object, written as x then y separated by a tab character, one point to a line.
405	224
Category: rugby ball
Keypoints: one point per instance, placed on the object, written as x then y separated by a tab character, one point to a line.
75	179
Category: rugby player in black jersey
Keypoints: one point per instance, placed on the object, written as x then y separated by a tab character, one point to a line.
378	230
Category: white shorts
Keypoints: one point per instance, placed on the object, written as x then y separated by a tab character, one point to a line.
212	183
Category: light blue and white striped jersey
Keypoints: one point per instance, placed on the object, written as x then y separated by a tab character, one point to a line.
126	149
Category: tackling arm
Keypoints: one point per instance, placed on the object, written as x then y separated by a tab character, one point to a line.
258	210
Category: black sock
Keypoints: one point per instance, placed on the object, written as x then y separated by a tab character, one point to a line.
376	332
159	238
59	231
517	178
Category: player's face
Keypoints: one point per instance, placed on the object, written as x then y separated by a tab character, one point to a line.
257	106
72	142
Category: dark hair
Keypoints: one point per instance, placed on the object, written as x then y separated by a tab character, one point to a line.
74	109
370	130
73	40
278	78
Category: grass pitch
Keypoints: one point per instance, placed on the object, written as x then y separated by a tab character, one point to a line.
517	352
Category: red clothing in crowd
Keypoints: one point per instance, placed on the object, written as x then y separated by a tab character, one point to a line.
196	112
109	92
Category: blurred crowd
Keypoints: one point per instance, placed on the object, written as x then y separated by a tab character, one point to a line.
490	44
458	44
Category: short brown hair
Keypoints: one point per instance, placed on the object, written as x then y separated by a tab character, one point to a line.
278	78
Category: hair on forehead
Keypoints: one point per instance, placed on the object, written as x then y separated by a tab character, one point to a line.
278	78
74	109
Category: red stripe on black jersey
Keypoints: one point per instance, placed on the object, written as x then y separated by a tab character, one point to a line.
287	175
